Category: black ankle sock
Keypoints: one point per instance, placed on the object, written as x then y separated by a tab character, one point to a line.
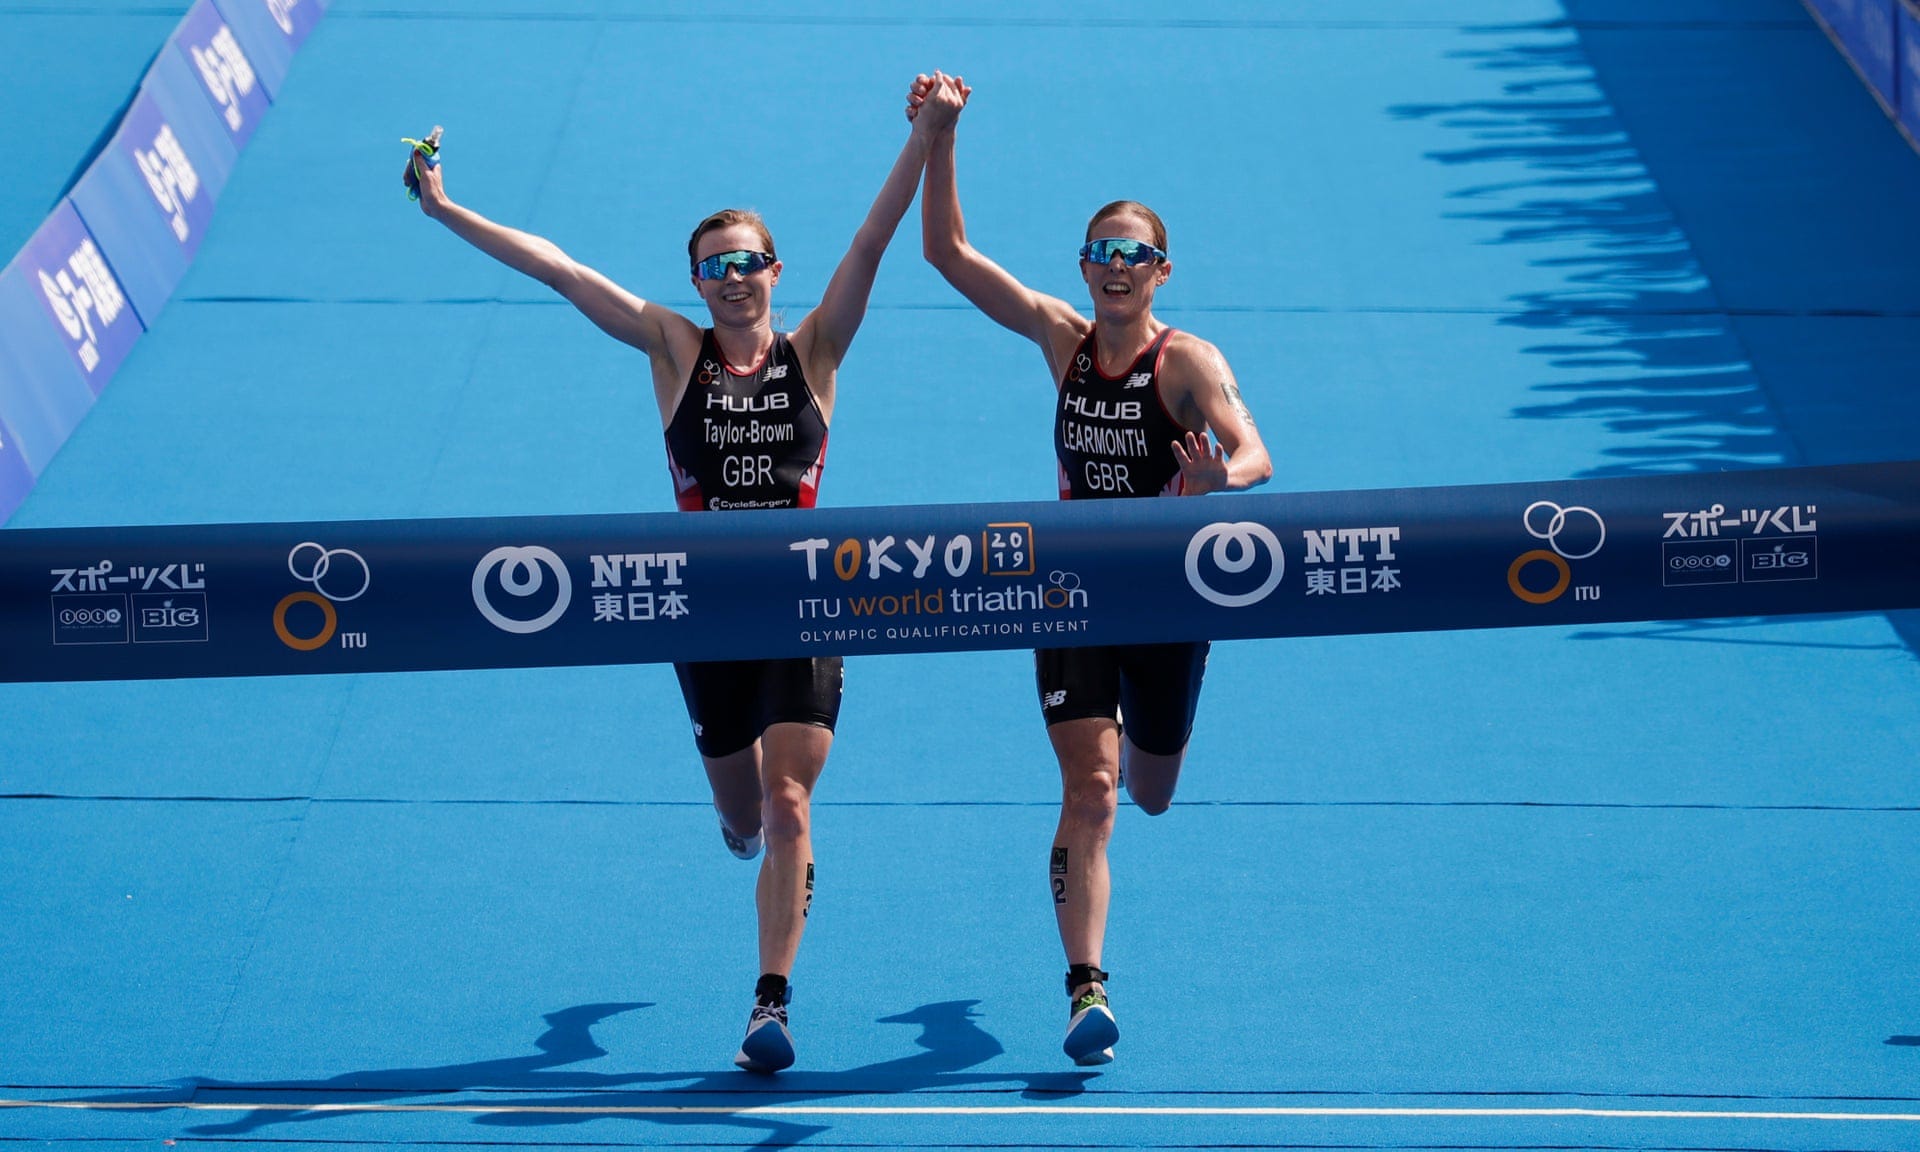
772	990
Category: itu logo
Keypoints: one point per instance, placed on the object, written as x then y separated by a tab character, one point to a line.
523	574
1230	552
338	576
1572	533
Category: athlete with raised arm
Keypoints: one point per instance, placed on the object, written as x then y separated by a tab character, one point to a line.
763	727
1143	410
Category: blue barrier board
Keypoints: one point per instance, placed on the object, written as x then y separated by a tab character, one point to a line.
401	595
1873	44
271	31
68	326
1909	76
16	479
148	200
1864	31
42	394
81	295
176	87
1838	15
227	74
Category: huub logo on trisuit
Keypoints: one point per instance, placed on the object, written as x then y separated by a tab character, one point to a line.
1111	434
752	439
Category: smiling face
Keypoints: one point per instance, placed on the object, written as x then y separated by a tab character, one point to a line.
1122	291
737	300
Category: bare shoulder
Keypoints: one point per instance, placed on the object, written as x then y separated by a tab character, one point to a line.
1063	316
677	326
1199	380
672	361
682	338
1194	360
1065	328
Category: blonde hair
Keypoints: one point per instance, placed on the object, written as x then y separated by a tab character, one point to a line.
1136	209
726	218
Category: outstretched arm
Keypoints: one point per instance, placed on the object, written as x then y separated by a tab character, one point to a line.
613	309
830	327
1237	457
990	288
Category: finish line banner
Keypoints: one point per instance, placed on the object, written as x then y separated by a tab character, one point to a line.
405	595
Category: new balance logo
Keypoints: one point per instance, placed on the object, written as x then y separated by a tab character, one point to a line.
1139	379
1054	699
775	372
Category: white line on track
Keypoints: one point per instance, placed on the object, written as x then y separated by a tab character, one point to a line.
956	1110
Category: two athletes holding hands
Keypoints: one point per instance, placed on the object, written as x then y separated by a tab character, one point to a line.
763	728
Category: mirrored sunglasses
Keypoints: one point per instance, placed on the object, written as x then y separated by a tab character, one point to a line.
1134	252
744	262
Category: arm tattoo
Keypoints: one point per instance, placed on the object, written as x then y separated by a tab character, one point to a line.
1232	393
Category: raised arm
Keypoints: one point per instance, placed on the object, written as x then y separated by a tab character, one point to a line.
1237	457
991	288
613	309
829	329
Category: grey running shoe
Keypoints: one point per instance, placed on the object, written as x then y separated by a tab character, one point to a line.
768	1046
745	849
1091	1031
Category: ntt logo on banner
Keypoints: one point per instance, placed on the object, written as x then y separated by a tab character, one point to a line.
523	573
1224	553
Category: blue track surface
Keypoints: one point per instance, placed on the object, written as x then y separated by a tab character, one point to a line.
1636	886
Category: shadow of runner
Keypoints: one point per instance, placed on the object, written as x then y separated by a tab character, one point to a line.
1713	631
950	1043
1732	220
1780	323
567	1040
1644	336
1797	198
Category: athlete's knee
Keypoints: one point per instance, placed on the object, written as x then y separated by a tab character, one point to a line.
788	807
1090	795
1151	777
1151	789
1152	802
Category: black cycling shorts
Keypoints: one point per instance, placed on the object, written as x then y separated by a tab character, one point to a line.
732	702
1154	689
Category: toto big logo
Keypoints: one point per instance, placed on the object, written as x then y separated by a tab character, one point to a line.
523	572
1236	548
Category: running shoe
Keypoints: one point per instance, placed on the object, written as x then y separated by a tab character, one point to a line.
768	1046
1091	1030
746	849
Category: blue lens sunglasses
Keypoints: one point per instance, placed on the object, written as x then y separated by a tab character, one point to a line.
744	262
1133	252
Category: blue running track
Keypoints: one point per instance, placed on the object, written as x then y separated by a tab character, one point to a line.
1614	887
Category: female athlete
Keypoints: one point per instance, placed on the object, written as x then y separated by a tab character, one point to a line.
1143	410
763	727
